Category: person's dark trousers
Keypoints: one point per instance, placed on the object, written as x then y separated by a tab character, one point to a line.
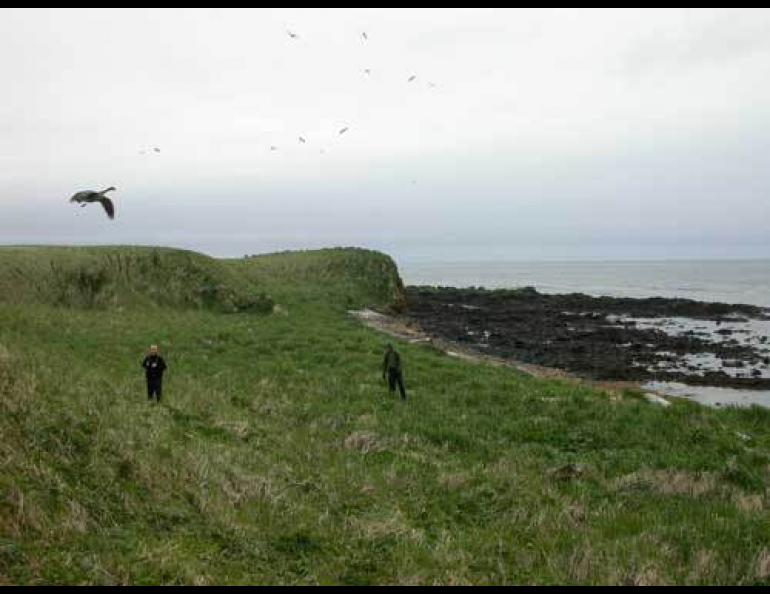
395	377
154	388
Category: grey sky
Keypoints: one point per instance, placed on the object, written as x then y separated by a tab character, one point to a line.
525	134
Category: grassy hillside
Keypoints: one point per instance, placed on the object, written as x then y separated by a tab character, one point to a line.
278	456
104	277
339	277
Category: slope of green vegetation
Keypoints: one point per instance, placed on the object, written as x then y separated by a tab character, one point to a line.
108	277
343	277
278	455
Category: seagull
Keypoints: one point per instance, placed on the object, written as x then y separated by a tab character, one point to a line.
411	78
345	129
302	140
90	196
292	35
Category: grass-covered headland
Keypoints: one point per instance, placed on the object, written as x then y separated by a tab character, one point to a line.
278	456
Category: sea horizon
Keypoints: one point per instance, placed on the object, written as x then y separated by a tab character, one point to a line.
728	280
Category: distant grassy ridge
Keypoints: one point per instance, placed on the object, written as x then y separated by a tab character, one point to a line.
126	276
122	276
349	277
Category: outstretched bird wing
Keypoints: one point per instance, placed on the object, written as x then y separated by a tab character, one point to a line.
108	206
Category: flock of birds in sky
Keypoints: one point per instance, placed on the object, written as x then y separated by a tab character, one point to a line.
90	196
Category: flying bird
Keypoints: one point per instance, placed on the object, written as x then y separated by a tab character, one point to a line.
302	140
367	71
364	35
345	129
411	78
156	149
90	196
292	35
273	148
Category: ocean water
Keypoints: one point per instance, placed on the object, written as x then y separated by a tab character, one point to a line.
728	281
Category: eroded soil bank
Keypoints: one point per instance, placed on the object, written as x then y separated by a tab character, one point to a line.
604	338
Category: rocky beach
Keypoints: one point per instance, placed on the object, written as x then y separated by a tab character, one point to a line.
605	338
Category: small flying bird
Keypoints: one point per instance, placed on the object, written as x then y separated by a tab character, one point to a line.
292	35
156	149
345	129
411	78
273	148
364	35
367	71
90	196
302	140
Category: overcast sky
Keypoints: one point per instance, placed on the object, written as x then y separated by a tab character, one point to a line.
553	134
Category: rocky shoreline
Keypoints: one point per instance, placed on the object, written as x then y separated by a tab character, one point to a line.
604	338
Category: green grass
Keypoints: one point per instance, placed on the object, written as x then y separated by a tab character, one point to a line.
278	456
338	277
116	277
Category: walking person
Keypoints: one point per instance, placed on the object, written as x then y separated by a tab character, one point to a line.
154	366
392	369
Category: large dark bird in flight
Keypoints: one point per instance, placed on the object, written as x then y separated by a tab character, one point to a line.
90	196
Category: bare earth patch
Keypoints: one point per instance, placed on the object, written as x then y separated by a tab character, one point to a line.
453	481
392	526
364	442
749	503
648	576
763	564
670	482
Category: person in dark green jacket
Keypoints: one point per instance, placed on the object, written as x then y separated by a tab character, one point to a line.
393	371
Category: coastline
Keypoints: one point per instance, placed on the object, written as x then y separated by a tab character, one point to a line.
406	330
670	347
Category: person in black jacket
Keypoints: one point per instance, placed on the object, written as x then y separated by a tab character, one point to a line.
391	367
154	366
